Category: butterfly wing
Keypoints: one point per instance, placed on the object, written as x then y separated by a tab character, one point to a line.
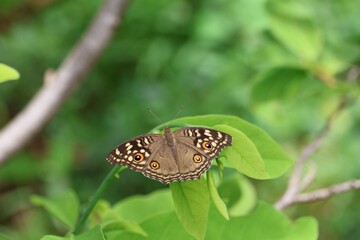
163	166
197	147
188	158
136	153
148	154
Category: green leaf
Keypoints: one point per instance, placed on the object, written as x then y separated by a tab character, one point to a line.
303	228
294	29
281	83
125	215
239	195
129	226
95	233
218	202
8	73
192	202
243	155
155	203
264	222
275	160
160	227
64	207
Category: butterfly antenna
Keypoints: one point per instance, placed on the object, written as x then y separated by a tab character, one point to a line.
152	113
177	113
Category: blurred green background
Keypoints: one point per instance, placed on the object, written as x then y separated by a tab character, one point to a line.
282	65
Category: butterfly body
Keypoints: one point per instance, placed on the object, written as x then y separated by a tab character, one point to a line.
175	156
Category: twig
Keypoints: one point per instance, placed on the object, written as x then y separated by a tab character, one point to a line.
353	74
295	183
54	92
325	193
309	177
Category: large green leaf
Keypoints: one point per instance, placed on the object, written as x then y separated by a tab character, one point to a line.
264	222
160	227
127	215
243	155
8	73
150	205
192	202
64	207
275	161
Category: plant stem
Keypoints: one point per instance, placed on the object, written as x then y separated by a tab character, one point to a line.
95	198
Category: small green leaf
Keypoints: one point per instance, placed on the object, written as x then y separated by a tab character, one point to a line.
192	202
95	233
8	73
218	202
64	207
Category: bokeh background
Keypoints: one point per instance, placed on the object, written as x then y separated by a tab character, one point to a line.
282	65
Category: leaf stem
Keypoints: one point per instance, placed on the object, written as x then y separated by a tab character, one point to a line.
95	198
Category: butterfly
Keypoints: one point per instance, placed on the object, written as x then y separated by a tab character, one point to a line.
185	154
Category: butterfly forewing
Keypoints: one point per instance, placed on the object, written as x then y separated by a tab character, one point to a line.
202	137
128	153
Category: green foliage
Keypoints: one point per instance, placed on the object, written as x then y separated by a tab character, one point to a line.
262	223
2	237
215	197
239	195
8	73
281	66
95	233
192	202
64	207
165	223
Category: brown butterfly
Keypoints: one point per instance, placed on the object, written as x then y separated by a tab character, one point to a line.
175	156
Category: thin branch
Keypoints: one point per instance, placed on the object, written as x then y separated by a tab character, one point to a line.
325	193
309	177
295	184
58	86
353	74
